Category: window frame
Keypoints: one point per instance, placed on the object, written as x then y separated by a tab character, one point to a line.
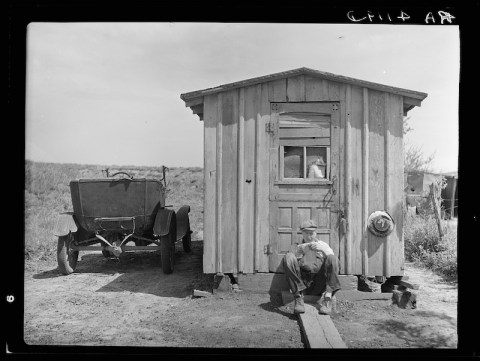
304	180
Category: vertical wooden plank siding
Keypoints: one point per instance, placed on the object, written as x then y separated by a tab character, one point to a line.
229	180
240	181
366	165
347	179
251	107
396	152
219	212
386	249
376	201
315	89
334	90
209	181
277	90
337	93
356	188
296	89
262	189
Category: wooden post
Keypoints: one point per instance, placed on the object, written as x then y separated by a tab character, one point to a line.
433	198
452	198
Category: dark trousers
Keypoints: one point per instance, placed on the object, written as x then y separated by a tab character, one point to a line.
326	279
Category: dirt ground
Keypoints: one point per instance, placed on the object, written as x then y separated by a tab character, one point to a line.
130	302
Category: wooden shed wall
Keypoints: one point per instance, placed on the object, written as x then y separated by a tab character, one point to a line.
236	146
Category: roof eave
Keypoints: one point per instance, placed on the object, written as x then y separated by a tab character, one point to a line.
304	71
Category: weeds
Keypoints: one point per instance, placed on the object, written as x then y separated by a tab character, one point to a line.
424	246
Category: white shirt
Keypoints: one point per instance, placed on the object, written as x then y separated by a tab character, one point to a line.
321	248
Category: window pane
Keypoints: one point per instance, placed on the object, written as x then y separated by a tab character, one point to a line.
316	162
293	162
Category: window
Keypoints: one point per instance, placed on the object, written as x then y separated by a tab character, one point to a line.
304	147
305	162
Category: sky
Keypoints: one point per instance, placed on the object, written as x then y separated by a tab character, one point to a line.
109	93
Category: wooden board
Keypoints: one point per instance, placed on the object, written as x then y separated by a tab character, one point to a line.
219	185
348	159
356	181
262	186
229	181
376	177
210	175
396	155
319	330
336	92
347	295
277	90
251	106
316	89
365	185
240	182
296	89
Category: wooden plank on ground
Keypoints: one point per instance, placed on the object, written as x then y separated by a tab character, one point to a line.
319	330
349	295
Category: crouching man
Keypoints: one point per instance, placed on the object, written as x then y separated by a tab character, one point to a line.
312	268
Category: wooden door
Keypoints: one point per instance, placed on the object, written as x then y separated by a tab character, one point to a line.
301	134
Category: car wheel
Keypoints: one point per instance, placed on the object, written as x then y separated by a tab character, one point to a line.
187	241
167	247
66	257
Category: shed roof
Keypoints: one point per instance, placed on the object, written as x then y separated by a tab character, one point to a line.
194	99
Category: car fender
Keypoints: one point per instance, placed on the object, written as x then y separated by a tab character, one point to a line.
65	224
183	222
163	219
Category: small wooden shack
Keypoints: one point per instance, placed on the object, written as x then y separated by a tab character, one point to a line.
296	145
417	187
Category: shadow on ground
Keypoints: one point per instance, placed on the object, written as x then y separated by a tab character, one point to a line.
141	272
422	335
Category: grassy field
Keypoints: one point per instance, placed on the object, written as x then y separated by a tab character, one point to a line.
47	193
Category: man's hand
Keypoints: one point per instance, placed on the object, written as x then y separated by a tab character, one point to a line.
315	246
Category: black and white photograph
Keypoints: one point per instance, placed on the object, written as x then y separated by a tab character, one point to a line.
249	185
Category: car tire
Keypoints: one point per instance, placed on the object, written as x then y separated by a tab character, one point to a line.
187	241
66	257
167	247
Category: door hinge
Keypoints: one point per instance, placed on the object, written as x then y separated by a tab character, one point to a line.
267	249
269	127
334	106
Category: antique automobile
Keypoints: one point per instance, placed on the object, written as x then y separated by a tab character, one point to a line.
108	213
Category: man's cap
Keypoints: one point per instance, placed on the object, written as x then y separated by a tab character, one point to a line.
310	225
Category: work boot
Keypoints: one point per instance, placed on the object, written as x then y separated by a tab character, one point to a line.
299	304
326	303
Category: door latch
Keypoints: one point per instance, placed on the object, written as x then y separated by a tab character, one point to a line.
334	184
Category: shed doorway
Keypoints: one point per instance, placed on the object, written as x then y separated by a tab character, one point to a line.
304	174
